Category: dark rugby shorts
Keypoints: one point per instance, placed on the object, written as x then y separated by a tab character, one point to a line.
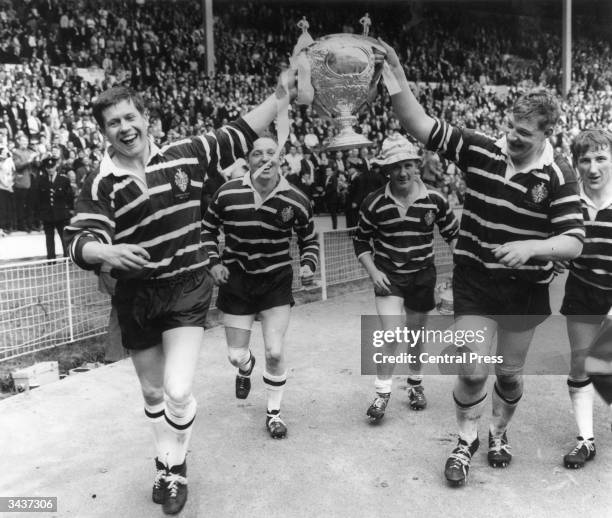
147	308
249	293
417	288
516	304
585	302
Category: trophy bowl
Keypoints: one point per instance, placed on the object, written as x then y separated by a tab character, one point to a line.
344	75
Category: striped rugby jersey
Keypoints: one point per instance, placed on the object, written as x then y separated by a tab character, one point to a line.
403	243
537	204
257	234
594	266
163	216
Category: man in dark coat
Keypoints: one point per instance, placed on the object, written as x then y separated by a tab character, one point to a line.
332	198
55	201
366	182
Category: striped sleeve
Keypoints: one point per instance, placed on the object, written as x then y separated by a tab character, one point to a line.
220	148
308	242
362	242
211	225
594	265
445	219
93	221
454	143
565	206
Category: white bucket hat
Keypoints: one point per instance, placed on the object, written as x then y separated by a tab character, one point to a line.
396	148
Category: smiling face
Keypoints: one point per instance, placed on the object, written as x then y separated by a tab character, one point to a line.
525	138
595	168
263	152
126	129
403	175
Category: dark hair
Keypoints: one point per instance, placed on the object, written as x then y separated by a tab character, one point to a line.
114	96
591	139
540	103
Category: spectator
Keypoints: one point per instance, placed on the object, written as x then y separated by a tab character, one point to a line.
25	177
294	159
54	202
366	182
332	197
351	208
7	178
338	162
308	165
432	170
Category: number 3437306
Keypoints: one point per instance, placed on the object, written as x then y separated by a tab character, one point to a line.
18	504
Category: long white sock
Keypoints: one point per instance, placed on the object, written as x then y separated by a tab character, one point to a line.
581	394
156	416
468	415
179	419
383	386
275	386
503	410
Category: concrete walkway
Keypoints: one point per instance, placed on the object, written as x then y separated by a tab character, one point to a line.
85	440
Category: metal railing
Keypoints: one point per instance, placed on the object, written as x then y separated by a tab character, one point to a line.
46	304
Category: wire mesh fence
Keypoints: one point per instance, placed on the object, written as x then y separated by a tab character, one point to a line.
45	304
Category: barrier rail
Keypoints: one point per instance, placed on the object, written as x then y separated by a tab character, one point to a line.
45	304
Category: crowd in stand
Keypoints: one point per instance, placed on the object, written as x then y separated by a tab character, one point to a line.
159	48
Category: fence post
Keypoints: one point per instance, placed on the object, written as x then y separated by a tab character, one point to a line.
69	298
322	265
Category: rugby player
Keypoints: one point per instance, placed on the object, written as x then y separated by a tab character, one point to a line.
588	289
394	243
521	212
140	214
257	214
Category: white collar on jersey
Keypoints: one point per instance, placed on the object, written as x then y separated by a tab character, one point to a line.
422	191
107	166
283	184
546	158
591	207
401	207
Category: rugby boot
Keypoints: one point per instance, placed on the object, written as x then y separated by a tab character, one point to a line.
275	425
458	463
499	455
159	483
176	489
376	411
582	452
243	381
416	397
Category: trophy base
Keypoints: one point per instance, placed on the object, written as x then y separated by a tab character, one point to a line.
347	139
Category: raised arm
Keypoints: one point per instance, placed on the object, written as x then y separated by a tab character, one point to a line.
407	109
260	117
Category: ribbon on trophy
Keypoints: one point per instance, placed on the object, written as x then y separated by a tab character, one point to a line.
391	83
297	63
300	62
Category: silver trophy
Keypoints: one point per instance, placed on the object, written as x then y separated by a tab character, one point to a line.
343	76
